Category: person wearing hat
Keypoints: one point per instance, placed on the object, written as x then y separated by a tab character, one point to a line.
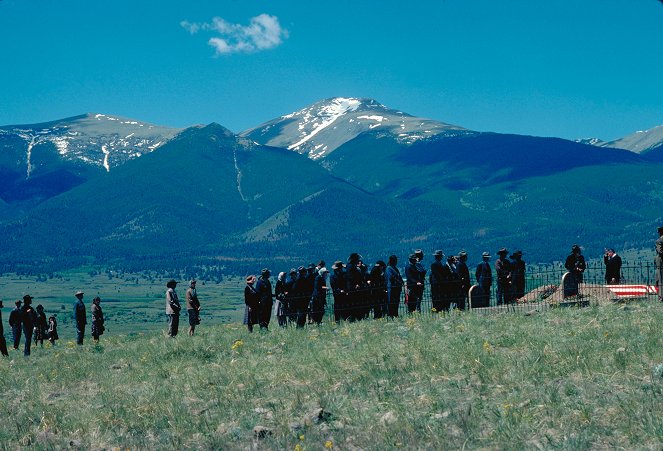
339	291
394	280
28	321
659	263
280	292
40	326
378	289
356	288
484	277
192	306
414	284
301	295
80	317
15	323
265	304
503	272
613	267
319	297
251	300
464	275
575	264
173	308
289	298
3	342
97	319
517	275
438	276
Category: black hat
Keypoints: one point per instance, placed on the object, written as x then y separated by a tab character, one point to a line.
502	251
462	253
575	247
660	230
18	303
27	298
293	271
171	283
301	269
380	263
354	258
419	253
517	253
438	253
412	257
311	266
337	264
265	271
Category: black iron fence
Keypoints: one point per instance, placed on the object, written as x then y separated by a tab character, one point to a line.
545	286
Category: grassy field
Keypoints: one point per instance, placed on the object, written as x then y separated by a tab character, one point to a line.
131	302
566	378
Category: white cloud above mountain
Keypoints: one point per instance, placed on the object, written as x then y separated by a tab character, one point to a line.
263	32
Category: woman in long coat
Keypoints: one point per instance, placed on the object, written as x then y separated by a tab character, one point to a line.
97	319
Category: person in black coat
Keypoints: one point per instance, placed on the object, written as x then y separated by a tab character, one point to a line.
378	289
613	267
575	264
251	301
80	317
3	343
436	278
503	272
264	288
289	299
517	275
414	284
319	297
454	284
356	287
301	294
280	291
394	282
41	326
465	282
484	277
15	323
339	290
28	320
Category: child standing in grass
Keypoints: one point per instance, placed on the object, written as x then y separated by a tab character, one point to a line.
52	330
40	326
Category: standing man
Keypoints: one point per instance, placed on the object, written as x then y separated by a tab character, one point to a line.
29	320
659	264
465	283
319	296
378	289
484	277
394	286
15	324
265	304
517	275
173	308
339	290
575	264
613	267
436	279
80	317
356	286
414	284
3	343
192	307
503	271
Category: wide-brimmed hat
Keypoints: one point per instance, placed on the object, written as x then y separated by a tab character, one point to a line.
337	264
575	247
265	271
381	263
251	279
438	253
517	253
502	251
170	284
354	257
412	257
462	253
486	254
79	293
27	298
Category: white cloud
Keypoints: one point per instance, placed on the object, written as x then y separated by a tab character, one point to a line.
263	32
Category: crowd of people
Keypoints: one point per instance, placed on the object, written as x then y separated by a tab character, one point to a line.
30	324
359	292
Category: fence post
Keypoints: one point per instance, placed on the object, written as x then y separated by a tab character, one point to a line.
472	292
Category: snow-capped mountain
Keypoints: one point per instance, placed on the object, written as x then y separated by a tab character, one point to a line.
91	139
641	142
321	128
598	142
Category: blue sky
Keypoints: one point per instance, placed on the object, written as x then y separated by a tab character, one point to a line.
568	68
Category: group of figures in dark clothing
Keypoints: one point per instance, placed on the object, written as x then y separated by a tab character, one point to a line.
300	297
31	324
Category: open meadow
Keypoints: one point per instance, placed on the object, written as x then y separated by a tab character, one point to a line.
564	378
131	302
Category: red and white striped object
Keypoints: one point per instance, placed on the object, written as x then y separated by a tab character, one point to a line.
632	291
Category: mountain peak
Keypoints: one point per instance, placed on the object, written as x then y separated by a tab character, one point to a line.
320	128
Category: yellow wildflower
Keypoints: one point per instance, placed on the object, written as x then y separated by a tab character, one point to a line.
298	447
329	444
237	344
301	437
487	346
